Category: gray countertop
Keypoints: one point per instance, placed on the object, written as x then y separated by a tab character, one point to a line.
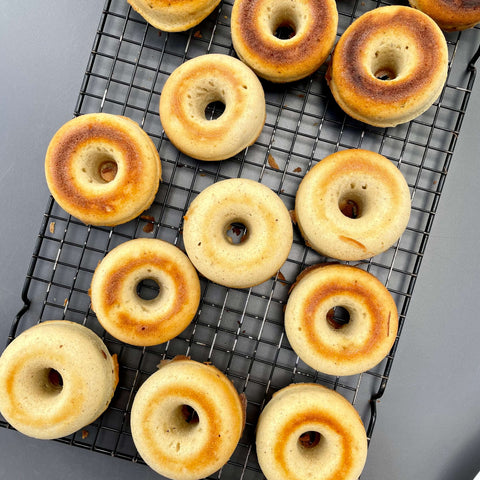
429	419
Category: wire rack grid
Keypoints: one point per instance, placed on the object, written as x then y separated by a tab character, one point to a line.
239	330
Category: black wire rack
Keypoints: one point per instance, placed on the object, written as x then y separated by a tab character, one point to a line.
239	331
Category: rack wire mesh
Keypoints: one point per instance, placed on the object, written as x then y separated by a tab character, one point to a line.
238	330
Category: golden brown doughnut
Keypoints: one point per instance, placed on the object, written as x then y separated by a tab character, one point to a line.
103	169
200	82
389	66
307	431
313	26
450	15
56	378
136	320
187	419
174	15
331	346
352	205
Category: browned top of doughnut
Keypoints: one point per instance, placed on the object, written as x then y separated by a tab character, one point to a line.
395	21
451	14
291	51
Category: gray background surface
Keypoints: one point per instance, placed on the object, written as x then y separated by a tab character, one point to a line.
429	418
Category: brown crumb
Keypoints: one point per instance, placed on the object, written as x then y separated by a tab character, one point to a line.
293	216
65	302
297	170
281	278
148	228
52	227
84	434
272	162
198	34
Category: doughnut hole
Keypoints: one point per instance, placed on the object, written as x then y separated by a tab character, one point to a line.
352	200
148	289
338	317
284	21
390	61
311	444
182	420
236	232
44	383
97	164
207	101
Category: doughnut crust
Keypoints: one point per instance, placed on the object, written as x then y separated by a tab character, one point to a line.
389	66
136	320
202	81
309	431
56	378
451	15
367	184
103	169
173	442
314	27
174	15
328	346
265	247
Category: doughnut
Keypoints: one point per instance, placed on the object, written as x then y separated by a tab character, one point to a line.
56	378
206	81
263	249
124	312
174	15
281	40
187	419
309	431
352	205
450	15
340	320
389	66
103	169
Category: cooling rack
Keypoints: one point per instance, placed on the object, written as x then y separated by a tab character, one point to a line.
238	330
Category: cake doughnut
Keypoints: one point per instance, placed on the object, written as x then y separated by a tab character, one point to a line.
203	81
389	66
187	419
352	205
265	247
347	346
103	169
127	315
310	27
450	15
56	378
174	15
309	431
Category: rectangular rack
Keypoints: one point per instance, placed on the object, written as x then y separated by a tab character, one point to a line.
239	331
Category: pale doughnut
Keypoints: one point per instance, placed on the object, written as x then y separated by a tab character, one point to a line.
307	431
332	347
265	247
103	169
313	24
389	66
139	321
367	184
56	378
187	419
450	15
200	82
174	15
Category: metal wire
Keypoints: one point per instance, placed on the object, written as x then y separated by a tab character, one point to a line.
240	331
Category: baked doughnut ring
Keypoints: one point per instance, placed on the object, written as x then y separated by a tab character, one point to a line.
187	419
56	378
389	66
203	81
262	251
311	27
352	205
121	309
335	347
450	15
309	431
174	15
103	169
